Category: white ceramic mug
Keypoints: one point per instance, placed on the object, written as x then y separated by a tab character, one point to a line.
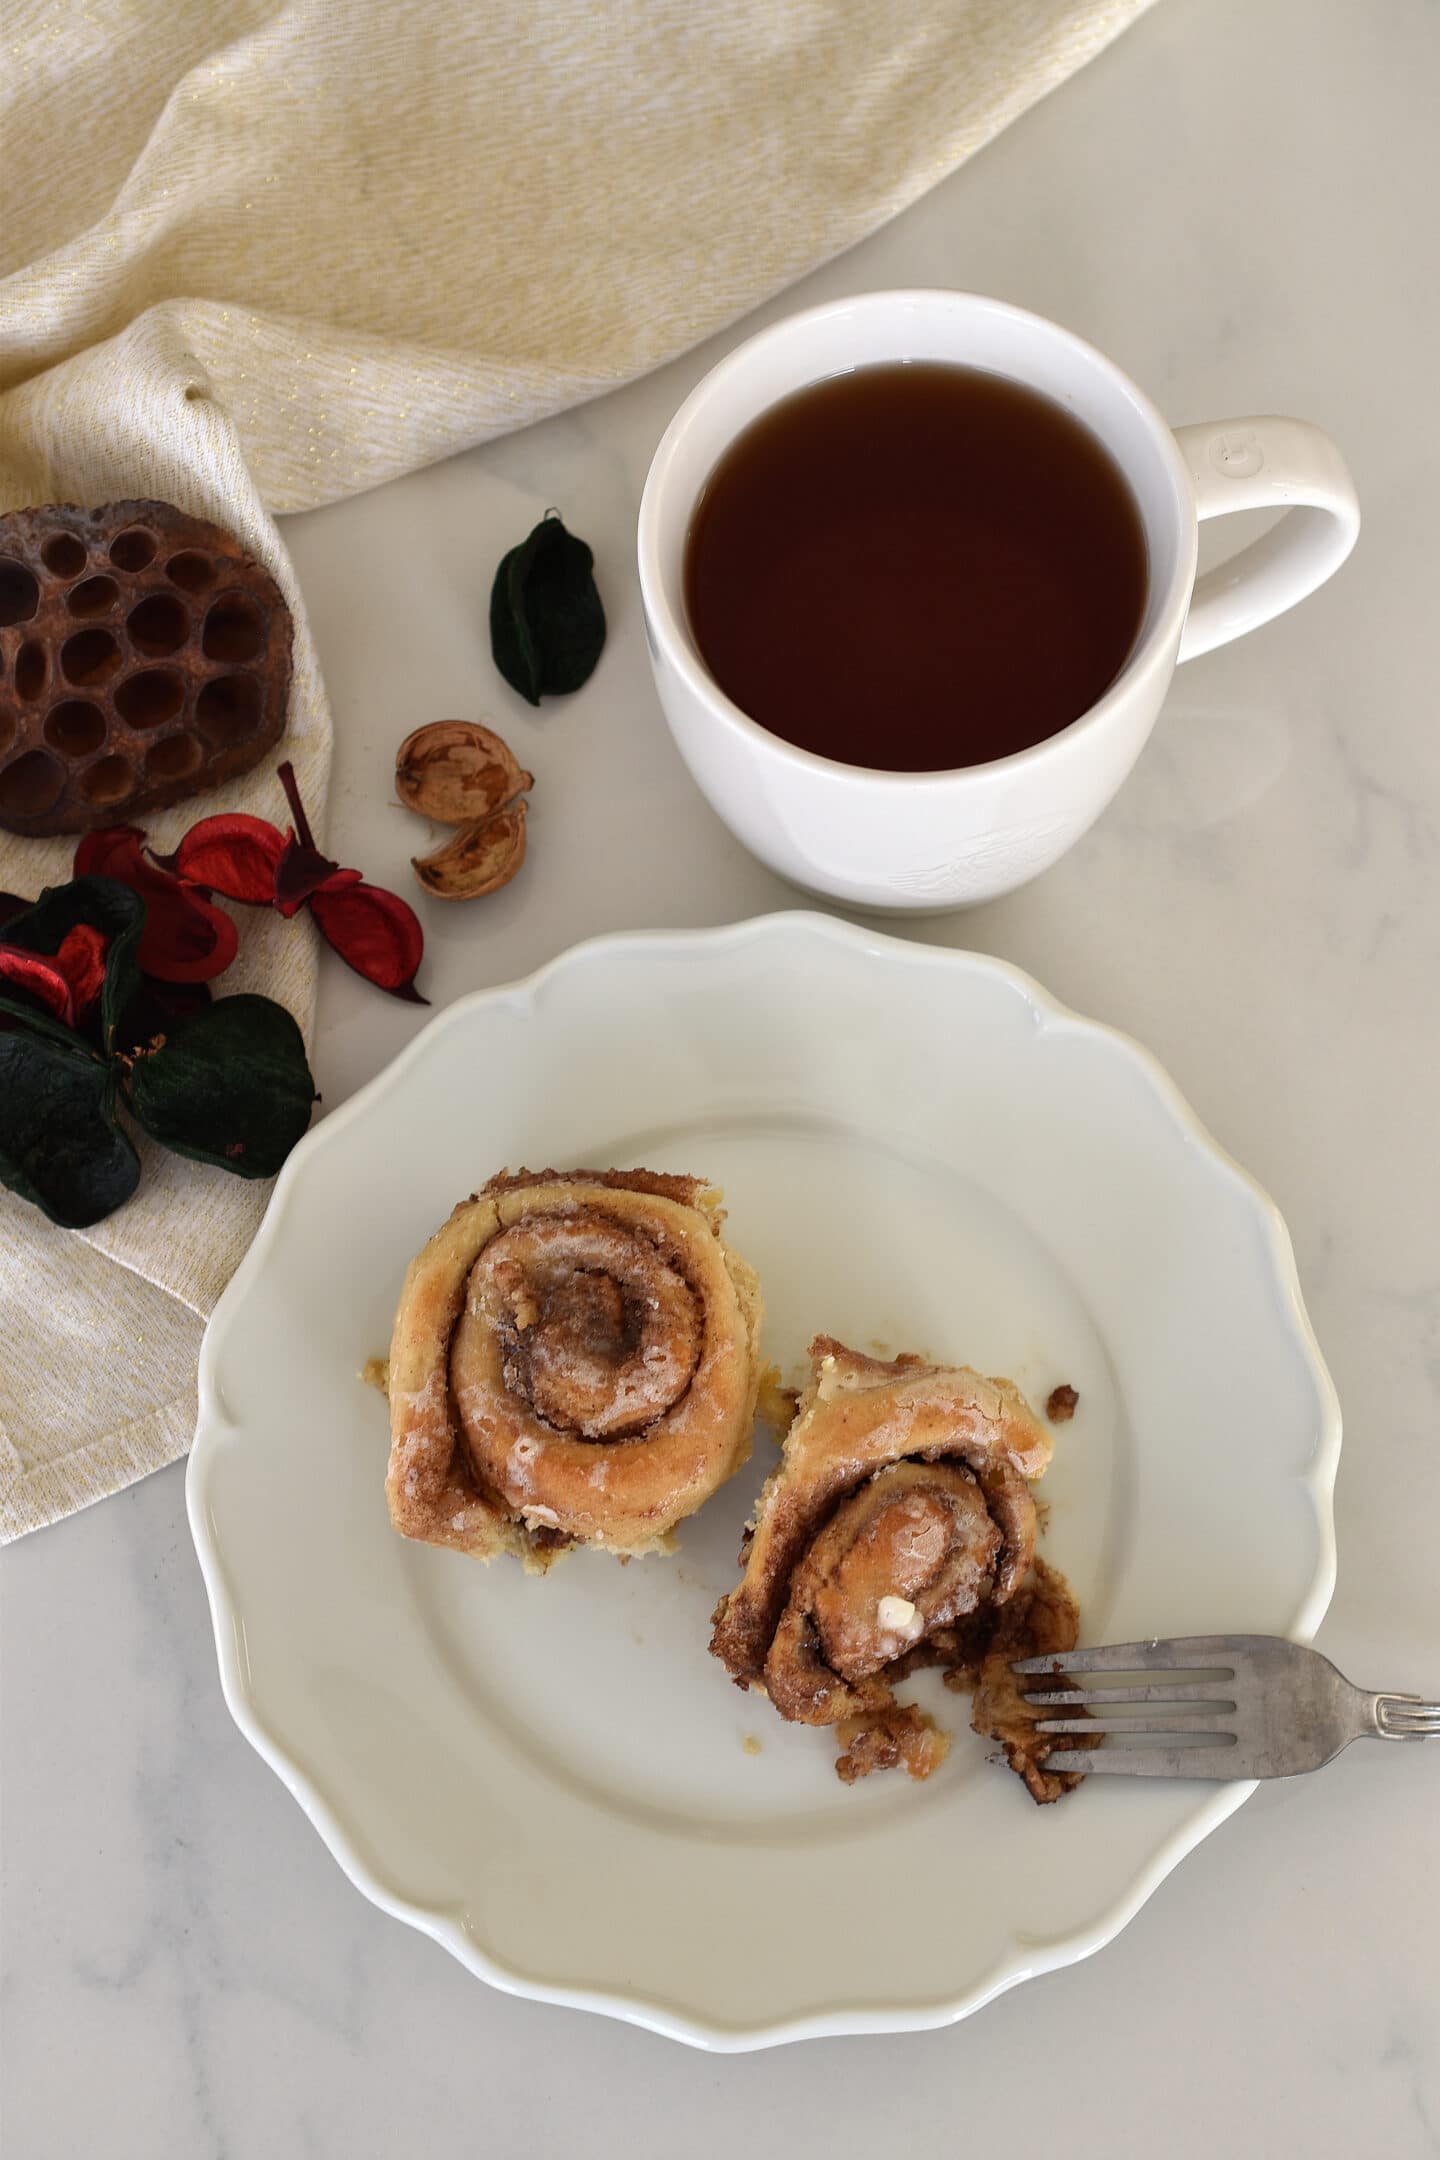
935	840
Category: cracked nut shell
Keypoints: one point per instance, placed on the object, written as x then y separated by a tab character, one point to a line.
457	772
479	860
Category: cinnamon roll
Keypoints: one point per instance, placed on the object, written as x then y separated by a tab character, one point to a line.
574	1362
899	1530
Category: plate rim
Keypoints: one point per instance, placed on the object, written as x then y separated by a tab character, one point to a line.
1020	1961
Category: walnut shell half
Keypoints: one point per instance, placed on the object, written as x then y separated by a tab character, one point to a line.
456	772
460	773
479	860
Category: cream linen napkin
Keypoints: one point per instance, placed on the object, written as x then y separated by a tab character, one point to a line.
257	255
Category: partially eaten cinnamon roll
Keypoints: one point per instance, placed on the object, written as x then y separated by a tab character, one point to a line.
899	1530
574	1361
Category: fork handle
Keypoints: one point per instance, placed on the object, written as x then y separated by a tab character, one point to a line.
1403	1717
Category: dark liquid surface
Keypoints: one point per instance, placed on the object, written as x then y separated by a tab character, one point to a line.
915	566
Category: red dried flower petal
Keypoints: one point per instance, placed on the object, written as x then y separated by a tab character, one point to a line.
234	855
42	977
339	879
109	852
81	960
185	939
302	871
375	932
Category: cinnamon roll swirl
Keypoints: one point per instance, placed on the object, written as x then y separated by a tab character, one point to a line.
574	1362
899	1530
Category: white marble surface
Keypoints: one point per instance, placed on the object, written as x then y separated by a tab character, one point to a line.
1238	203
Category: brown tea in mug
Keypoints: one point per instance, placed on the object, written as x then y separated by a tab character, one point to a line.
915	566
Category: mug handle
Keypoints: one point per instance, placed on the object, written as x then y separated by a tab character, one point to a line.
1265	463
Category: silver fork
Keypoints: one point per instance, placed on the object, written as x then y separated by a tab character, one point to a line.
1247	1706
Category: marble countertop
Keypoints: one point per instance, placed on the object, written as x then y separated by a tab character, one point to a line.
1237	203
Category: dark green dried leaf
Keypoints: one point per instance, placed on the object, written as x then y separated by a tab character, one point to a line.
31	1015
106	905
154	1009
59	1144
547	625
228	1085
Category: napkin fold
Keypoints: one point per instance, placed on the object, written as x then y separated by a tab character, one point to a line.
259	254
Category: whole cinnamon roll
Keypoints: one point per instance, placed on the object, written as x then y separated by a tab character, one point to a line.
898	1531
573	1363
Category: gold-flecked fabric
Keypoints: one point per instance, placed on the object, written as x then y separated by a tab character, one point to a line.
258	254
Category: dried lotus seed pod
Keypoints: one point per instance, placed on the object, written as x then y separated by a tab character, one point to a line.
144	657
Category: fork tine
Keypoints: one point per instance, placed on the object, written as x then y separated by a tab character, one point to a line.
1213	1653
1176	1691
1184	1721
1182	1762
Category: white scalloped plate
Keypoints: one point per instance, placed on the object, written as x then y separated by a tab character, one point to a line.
552	1777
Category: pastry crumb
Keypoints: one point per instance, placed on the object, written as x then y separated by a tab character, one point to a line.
375	1372
774	1402
1042	1621
895	1738
1061	1406
750	1744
